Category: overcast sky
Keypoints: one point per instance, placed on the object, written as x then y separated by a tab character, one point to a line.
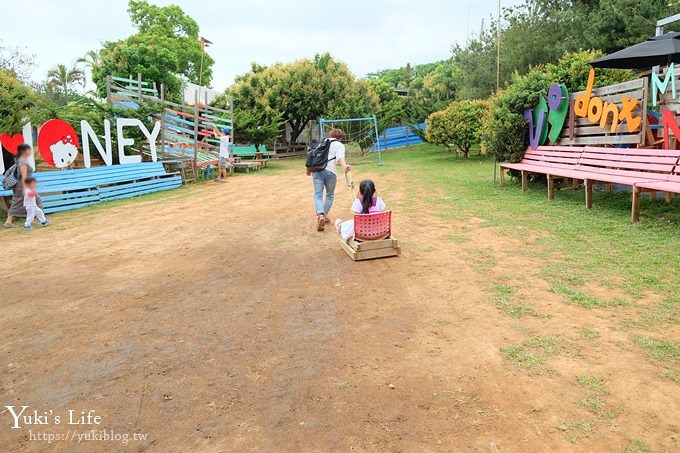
367	34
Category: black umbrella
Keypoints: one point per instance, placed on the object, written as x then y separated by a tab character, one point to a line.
657	51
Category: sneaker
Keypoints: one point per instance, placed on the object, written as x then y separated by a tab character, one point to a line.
321	223
45	223
337	225
9	225
28	227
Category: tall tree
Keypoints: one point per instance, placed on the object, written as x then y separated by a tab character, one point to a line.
303	91
65	78
166	49
90	59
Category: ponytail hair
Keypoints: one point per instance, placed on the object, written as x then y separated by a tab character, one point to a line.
367	191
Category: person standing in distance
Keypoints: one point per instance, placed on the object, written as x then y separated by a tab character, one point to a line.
326	179
225	159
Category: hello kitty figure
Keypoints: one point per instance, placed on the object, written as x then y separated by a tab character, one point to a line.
64	152
58	143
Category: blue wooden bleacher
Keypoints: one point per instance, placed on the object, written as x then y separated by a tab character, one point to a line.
73	189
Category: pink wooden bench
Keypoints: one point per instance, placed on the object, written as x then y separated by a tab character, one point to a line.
670	186
641	168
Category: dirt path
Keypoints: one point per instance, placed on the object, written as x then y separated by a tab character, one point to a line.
217	319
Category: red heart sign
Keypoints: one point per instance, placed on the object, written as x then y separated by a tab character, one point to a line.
11	143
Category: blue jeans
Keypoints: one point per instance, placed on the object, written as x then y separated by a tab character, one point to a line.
324	179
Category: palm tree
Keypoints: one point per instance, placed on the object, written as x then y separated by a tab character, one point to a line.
90	59
65	78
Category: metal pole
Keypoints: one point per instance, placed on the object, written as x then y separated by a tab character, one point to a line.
498	49
498	68
321	132
377	145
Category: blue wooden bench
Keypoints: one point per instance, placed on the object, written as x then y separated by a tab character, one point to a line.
73	189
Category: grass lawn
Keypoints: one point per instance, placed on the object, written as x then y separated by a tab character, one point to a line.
599	246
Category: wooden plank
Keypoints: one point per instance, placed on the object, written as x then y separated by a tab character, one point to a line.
349	250
631	85
604	140
374	245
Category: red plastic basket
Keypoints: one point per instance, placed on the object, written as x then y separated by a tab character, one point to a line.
372	227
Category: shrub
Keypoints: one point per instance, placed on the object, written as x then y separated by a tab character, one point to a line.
459	124
504	131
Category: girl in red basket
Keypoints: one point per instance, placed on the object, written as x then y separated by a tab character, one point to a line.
367	202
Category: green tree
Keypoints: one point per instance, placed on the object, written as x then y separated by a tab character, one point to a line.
459	124
90	59
303	91
166	49
65	78
17	102
258	127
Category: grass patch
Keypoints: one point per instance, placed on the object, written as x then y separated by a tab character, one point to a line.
342	385
670	374
664	350
592	384
532	362
636	446
586	300
577	429
596	405
505	297
588	334
549	345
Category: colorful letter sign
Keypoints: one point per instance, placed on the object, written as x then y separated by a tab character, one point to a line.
604	114
553	113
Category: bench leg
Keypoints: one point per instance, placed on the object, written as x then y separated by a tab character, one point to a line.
551	187
652	195
669	197
635	211
525	181
574	184
589	193
502	175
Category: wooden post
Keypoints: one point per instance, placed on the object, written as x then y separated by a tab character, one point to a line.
139	86
668	196
162	93
502	176
108	90
652	195
231	116
589	193
525	181
574	184
551	187
195	135
635	211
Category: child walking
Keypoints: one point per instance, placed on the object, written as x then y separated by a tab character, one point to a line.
367	202
32	209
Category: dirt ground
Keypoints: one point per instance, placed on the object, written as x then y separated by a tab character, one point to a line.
216	318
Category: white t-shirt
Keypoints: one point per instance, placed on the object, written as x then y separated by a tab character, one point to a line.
225	140
377	206
338	151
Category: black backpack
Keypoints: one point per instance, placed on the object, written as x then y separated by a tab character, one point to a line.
317	156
